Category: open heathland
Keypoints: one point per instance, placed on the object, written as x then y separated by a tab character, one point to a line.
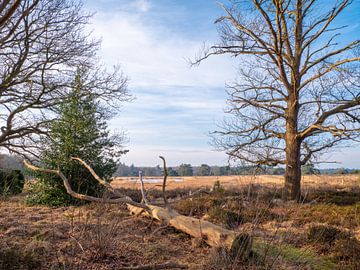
322	232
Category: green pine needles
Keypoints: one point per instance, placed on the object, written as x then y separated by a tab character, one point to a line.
79	131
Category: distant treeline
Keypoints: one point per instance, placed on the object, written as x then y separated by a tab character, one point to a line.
8	162
206	170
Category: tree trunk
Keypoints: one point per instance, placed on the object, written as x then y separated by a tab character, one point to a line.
293	173
293	165
238	244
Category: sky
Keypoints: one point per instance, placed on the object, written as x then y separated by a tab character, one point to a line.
176	106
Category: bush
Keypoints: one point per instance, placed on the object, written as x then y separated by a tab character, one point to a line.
217	188
15	259
324	234
342	246
348	251
198	206
224	216
45	194
11	182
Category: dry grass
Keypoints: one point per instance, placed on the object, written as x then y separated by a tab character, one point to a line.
308	181
90	237
106	237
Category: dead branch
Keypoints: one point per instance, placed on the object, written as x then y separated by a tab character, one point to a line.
168	265
123	199
143	193
164	181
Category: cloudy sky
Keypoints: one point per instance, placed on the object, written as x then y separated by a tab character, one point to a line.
175	106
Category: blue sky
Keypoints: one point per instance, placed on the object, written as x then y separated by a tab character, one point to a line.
176	106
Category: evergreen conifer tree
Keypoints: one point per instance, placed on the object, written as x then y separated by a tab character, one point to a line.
80	131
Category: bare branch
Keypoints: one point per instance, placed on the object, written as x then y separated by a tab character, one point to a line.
123	199
142	188
164	181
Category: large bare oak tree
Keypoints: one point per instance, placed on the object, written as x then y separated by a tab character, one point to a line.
42	44
298	92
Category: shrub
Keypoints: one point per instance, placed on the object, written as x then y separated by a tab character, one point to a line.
218	188
324	234
80	130
45	194
224	216
11	182
347	250
198	206
15	259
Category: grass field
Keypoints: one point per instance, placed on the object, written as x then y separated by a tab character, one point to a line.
308	181
285	234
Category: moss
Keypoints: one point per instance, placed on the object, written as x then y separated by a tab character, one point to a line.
304	257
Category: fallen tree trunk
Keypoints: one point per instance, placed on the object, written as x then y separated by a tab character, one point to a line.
237	244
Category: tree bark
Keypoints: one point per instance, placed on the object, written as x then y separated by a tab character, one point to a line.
238	244
293	173
293	143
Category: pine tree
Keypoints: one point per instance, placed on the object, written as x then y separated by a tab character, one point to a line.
80	131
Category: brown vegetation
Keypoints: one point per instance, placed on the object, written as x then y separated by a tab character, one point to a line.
97	236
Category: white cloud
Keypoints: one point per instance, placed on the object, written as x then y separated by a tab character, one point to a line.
152	55
175	105
142	5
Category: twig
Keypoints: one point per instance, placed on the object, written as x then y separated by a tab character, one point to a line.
168	265
164	181
193	194
143	193
159	229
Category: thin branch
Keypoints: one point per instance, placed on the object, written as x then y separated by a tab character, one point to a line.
79	196
164	181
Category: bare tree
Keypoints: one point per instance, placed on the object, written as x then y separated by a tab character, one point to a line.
297	93
42	43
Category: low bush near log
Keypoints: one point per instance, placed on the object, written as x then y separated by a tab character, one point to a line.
242	257
11	182
324	234
41	193
224	216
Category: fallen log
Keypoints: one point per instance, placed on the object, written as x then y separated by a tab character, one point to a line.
213	235
237	244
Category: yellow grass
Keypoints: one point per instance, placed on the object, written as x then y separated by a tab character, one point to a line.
308	181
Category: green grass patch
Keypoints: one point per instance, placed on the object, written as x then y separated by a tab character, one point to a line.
293	255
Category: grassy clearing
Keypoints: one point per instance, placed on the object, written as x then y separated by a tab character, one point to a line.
106	237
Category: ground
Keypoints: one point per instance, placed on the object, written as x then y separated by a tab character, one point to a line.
285	234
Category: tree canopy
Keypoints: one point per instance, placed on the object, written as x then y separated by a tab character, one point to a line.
42	44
